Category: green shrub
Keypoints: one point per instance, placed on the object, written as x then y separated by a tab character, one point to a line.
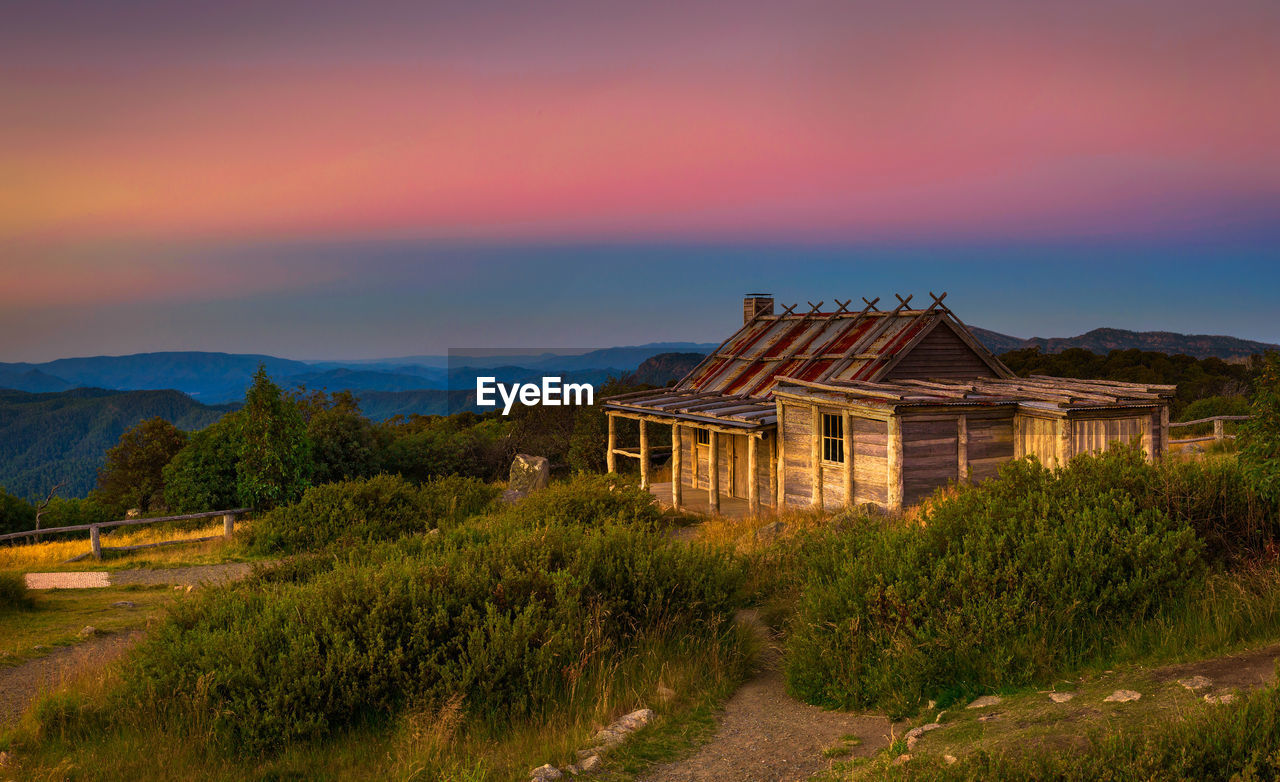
507	618
587	499
13	592
1260	436
381	508
1001	585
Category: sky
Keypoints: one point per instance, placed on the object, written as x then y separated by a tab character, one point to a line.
329	180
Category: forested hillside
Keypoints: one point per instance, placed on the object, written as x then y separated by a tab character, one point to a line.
49	438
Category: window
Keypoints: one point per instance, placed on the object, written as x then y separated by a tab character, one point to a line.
832	438
702	436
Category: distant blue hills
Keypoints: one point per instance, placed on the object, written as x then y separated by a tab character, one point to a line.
218	378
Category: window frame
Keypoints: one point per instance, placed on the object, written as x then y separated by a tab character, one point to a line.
702	437
832	438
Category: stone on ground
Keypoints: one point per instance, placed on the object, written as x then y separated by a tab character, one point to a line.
914	734
1122	696
1061	697
1220	700
984	701
1196	682
89	631
545	773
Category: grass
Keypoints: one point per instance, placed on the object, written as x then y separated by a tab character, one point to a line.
1027	725
54	555
57	616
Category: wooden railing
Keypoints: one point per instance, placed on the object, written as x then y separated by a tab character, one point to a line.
95	546
1219	429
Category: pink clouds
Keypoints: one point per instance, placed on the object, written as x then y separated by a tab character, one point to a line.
823	123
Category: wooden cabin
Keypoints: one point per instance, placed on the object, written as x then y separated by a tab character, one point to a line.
869	406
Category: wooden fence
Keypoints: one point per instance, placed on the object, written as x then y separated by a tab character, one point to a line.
95	546
1219	429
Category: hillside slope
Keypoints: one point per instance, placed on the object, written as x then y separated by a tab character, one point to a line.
64	436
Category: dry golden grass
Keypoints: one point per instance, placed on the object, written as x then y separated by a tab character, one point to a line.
53	555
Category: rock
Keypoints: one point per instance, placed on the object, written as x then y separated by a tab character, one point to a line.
528	473
123	604
904	758
1061	697
770	531
635	720
544	773
590	764
1220	700
914	734
620	728
88	632
1196	682
950	759
1122	696
992	717
984	701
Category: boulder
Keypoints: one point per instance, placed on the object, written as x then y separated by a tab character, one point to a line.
1122	696
528	473
545	773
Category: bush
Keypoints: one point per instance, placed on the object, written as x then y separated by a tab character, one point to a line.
506	618
1260	436
381	508
587	499
1002	585
13	592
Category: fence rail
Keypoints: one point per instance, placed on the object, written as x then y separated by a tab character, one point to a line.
228	519
1219	428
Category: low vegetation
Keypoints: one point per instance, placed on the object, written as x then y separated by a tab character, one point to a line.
13	592
381	508
562	611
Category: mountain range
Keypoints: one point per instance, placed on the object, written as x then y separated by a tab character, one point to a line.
1103	341
218	378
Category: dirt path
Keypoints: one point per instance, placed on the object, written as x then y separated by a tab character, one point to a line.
766	735
194	575
20	684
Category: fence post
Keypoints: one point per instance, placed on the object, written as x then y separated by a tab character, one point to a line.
228	525
94	543
1217	429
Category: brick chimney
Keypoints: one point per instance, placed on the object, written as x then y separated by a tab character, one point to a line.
754	304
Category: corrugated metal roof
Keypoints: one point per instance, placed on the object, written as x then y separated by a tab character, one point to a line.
822	346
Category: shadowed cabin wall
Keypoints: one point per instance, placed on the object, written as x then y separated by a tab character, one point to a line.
733	464
931	448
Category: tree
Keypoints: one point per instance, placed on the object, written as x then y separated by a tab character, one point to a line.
344	444
16	515
274	465
202	476
1260	435
133	475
